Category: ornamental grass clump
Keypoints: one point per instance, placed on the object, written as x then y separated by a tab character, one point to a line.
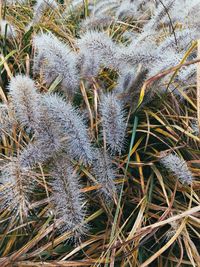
94	97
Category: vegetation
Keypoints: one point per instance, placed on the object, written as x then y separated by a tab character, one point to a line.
99	126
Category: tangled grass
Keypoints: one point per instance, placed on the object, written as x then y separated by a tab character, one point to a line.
100	140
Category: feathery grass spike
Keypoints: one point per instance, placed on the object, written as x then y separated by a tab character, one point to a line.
25	100
105	174
178	167
17	185
71	126
55	59
67	198
113	121
97	50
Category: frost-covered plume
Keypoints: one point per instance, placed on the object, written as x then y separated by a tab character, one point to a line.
72	129
181	42
68	200
139	52
47	140
167	60
172	12
25	100
178	167
16	186
170	58
160	16
7	30
113	121
105	174
56	60
60	129
97	50
186	12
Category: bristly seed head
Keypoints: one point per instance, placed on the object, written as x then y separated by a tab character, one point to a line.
105	174
17	185
67	198
113	121
25	100
177	167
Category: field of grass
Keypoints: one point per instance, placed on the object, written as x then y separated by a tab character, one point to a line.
100	133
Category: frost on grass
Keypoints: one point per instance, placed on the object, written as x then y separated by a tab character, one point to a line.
25	100
178	167
54	59
68	200
113	122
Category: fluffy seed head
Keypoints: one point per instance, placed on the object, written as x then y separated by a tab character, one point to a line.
178	167
25	100
16	187
55	59
97	50
67	198
72	129
113	121
104	173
